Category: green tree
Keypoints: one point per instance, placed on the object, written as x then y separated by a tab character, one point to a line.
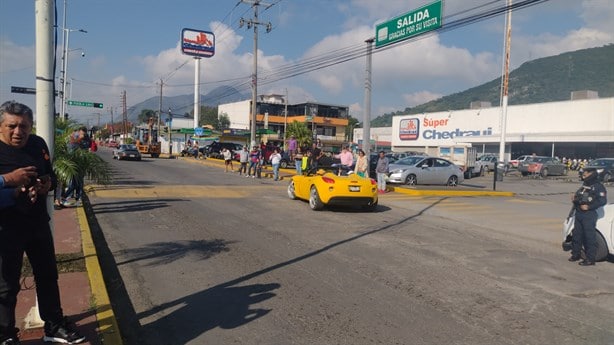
224	121
300	132
349	129
208	116
68	165
146	114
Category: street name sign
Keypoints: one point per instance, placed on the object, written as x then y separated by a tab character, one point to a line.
86	104
19	89
410	24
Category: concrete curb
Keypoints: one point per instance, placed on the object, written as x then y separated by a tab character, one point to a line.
108	329
431	192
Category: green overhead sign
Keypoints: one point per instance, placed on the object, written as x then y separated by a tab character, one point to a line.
410	24
86	104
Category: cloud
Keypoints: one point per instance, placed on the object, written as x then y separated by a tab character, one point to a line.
421	97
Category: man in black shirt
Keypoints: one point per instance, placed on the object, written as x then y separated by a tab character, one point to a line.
24	227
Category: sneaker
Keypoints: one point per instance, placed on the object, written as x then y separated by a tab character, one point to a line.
68	203
63	333
11	341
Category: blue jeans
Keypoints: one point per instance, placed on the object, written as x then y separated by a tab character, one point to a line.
276	171
252	165
299	167
381	181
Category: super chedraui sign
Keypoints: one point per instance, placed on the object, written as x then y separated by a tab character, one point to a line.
435	129
410	24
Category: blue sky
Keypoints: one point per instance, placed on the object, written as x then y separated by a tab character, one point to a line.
132	44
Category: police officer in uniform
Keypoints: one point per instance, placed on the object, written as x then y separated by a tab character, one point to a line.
587	199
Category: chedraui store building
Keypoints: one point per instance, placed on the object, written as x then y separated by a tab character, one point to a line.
574	129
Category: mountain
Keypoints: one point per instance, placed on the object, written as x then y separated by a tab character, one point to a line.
184	104
541	80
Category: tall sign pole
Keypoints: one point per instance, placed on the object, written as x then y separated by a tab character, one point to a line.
196	91
198	44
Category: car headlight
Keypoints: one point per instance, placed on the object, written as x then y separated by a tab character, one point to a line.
398	171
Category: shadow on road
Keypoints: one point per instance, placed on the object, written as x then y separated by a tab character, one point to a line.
227	305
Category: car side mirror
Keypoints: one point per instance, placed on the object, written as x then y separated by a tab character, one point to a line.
424	166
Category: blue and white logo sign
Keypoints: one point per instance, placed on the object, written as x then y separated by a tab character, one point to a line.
199	131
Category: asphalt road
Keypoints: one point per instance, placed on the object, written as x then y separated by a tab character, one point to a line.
193	255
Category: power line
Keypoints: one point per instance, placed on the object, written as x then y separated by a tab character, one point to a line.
353	52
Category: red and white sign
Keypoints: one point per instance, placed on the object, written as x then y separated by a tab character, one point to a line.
197	43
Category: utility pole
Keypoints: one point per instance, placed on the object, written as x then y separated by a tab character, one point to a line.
255	22
366	128
285	119
160	105
112	125
505	79
124	116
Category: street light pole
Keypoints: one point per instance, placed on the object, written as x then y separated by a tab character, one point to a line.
64	69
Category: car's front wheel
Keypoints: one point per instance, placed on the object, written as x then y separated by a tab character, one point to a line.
545	172
453	181
314	199
291	191
411	180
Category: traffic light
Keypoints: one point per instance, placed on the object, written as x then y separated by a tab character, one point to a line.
98	105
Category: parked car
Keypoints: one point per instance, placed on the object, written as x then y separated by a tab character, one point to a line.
514	163
542	166
415	170
215	148
486	163
604	167
127	152
324	187
605	232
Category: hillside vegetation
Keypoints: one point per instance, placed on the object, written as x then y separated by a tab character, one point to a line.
542	80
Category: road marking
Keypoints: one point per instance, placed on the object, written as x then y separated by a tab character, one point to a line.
180	191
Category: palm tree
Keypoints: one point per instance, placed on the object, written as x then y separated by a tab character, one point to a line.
301	133
68	165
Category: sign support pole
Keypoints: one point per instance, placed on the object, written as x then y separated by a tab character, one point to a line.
196	91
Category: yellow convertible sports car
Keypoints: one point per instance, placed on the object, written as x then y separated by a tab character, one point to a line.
325	187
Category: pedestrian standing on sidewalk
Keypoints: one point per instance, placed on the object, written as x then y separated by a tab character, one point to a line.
227	154
254	160
298	161
24	228
275	162
361	164
382	172
243	160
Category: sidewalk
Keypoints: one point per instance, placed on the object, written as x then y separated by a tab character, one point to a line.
82	290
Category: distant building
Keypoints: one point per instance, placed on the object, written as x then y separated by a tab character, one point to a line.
576	128
327	122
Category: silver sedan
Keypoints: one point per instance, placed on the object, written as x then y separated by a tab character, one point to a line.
415	170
